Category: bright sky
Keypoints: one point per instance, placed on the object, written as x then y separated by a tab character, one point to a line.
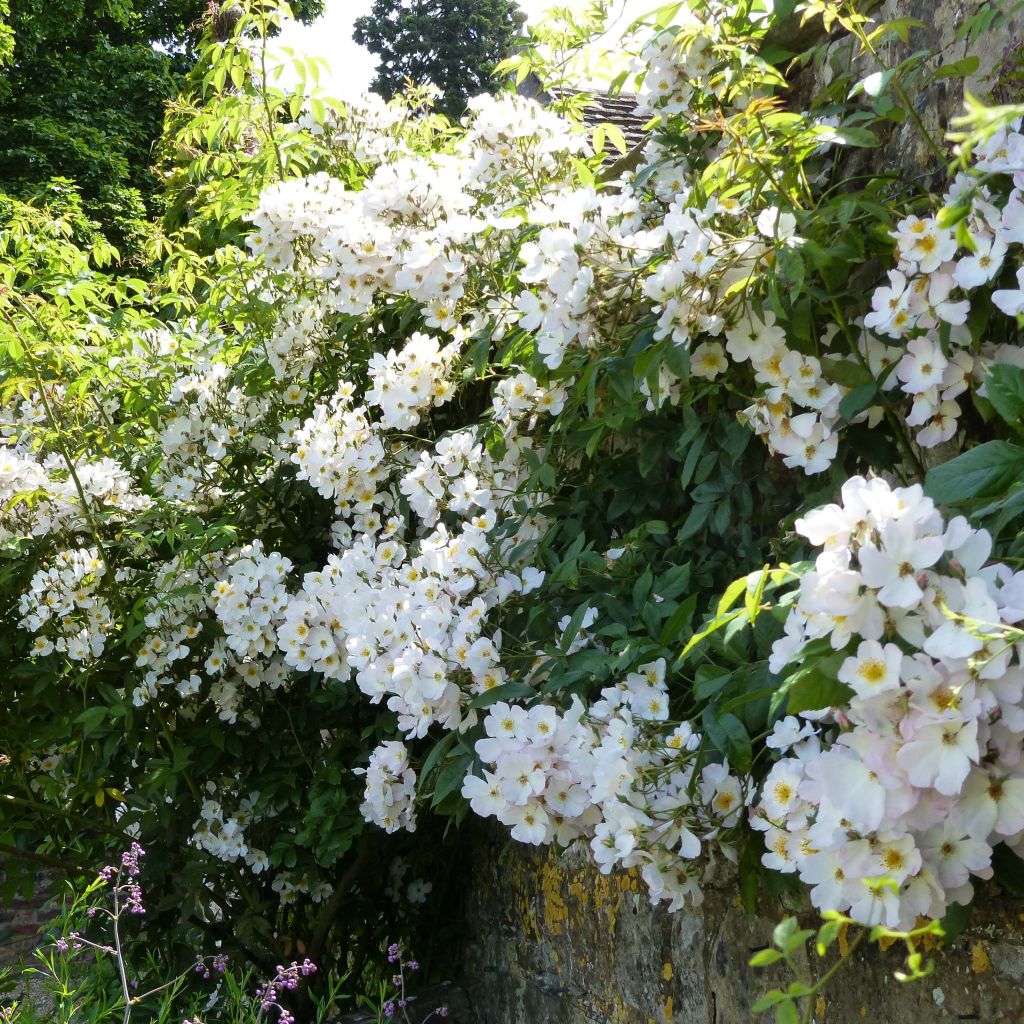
352	66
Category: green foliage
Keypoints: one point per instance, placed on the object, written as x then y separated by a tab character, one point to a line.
84	94
646	499
453	44
797	1002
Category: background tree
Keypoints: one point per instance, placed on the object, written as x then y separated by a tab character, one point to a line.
83	92
454	44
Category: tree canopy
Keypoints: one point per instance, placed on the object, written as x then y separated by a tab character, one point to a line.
453	44
82	96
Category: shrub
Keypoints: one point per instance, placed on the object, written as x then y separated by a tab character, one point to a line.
423	472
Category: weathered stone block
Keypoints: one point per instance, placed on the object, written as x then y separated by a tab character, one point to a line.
552	941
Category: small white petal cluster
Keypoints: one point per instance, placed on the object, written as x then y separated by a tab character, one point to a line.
890	804
675	64
64	605
205	418
223	835
404	384
612	774
390	794
250	599
928	291
341	454
56	504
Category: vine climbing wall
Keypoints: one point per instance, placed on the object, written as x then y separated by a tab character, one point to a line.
552	941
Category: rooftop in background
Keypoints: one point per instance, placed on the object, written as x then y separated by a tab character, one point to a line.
618	110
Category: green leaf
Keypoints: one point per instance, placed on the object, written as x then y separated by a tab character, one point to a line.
1009	869
572	629
731	595
709	680
1005	387
765	958
845	135
782	10
768	1000
729	736
958	68
955	922
450	778
678	620
846	372
986	471
712	627
507	691
856	401
436	753
818	688
615	136
91	719
786	1013
827	934
784	931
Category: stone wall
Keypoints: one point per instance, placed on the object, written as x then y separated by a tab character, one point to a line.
22	918
552	941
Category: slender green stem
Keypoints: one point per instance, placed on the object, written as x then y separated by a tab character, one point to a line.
808	1014
908	104
59	440
271	123
120	958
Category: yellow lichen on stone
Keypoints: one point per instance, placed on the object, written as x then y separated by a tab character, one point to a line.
819	1009
667	1010
885	942
979	958
666	972
844	946
556	910
525	901
863	1011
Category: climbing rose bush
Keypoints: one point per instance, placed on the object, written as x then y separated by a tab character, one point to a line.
423	469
